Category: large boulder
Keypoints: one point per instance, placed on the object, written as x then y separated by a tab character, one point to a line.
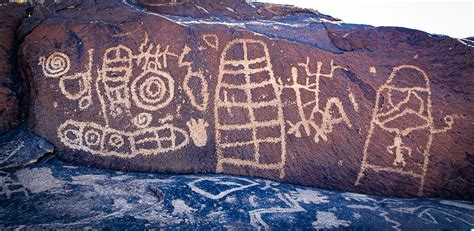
271	91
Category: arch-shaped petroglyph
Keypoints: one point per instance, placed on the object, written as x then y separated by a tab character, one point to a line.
57	65
198	131
105	141
201	99
312	85
253	69
409	100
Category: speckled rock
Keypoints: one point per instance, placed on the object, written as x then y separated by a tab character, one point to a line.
277	92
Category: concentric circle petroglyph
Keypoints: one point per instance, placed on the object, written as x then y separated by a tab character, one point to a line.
153	90
56	64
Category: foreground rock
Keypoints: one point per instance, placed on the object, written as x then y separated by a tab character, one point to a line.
39	196
291	95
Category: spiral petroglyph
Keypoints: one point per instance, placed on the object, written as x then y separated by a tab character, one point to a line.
55	65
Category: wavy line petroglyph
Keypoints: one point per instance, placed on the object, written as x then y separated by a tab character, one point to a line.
333	104
201	99
256	91
403	102
57	65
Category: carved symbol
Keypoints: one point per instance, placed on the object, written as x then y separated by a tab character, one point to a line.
105	141
256	90
56	65
198	131
75	86
211	40
333	104
201	99
408	96
233	184
142	120
256	219
153	90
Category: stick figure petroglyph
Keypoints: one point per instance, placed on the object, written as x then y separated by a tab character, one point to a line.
402	107
328	114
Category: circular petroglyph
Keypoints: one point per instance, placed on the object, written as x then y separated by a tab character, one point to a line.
116	140
92	137
153	90
56	64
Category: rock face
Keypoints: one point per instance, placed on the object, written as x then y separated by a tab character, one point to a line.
262	90
10	20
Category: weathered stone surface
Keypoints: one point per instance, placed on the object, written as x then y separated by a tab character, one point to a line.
300	98
20	147
10	87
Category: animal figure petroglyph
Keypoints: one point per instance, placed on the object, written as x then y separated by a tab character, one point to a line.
406	109
247	87
333	105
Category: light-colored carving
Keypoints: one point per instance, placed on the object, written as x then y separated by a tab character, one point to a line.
353	100
211	40
142	120
198	131
153	56
256	219
152	90
333	104
203	93
105	141
234	186
400	103
253	62
55	65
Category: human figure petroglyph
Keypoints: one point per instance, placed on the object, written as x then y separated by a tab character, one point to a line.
256	90
57	65
333	104
409	100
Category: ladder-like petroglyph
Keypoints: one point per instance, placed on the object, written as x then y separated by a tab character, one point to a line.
402	107
105	141
311	84
248	105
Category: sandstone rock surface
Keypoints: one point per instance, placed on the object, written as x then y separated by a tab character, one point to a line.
252	89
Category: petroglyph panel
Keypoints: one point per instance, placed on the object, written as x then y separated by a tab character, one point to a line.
194	96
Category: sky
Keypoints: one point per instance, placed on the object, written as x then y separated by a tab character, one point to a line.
447	17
